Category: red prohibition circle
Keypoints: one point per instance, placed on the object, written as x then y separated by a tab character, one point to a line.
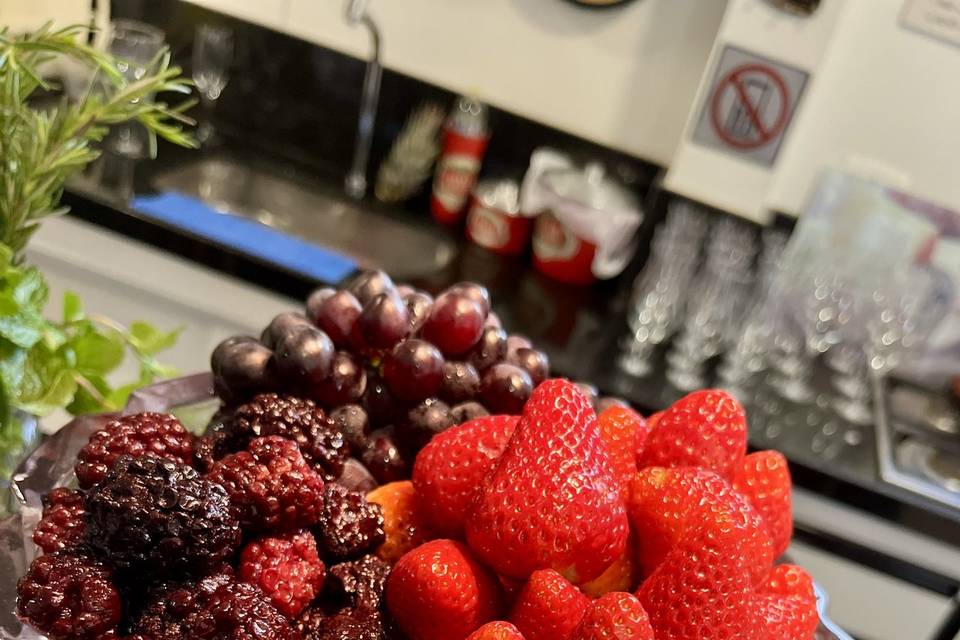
734	80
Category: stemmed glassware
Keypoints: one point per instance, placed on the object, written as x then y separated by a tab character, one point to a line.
212	56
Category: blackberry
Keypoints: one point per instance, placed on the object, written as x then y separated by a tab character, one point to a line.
156	434
271	486
213	609
322	444
358	584
68	595
309	621
349	525
62	524
286	568
209	448
349	624
155	515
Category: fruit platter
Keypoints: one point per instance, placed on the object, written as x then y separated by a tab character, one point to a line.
387	465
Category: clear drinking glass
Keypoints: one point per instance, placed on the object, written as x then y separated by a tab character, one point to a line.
212	56
136	45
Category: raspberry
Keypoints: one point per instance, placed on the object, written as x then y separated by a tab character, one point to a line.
69	596
62	523
286	568
155	434
349	525
322	444
271	486
358	584
213	609
349	624
160	516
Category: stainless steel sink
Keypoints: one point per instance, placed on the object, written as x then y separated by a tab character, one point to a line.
290	202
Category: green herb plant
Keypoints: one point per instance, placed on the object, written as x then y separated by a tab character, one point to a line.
48	364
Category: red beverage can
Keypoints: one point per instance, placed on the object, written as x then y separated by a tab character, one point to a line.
465	139
495	221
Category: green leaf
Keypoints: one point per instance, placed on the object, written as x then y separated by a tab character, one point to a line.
58	393
117	399
31	290
12	362
98	353
149	340
86	402
20	325
72	308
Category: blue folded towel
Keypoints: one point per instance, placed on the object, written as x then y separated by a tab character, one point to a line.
246	236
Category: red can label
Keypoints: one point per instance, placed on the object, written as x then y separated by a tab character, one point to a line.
560	253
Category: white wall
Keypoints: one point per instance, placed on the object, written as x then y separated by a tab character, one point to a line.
624	78
886	106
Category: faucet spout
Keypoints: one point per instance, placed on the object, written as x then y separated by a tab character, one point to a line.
356	181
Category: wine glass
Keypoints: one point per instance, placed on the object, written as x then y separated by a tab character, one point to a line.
212	56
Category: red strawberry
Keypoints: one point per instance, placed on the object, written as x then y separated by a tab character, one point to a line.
496	631
552	502
643	433
439	592
548	607
786	605
615	616
667	503
620	428
764	479
704	429
449	469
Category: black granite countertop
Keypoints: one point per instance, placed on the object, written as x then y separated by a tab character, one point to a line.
579	328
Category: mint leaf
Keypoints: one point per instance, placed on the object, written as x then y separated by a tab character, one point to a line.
20	325
117	399
12	361
86	402
98	353
149	340
31	290
72	308
58	393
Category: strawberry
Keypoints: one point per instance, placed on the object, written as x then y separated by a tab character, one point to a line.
703	588
764	479
643	432
552	501
439	591
622	575
786	605
403	521
620	427
496	631
665	503
615	616
548	607
449	469
704	429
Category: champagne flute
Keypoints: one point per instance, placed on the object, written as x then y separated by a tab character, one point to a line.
212	56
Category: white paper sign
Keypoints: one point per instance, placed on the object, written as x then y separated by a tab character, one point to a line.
937	18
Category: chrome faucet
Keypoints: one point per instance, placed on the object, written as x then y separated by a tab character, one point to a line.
356	181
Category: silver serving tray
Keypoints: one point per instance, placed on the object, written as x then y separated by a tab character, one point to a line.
191	398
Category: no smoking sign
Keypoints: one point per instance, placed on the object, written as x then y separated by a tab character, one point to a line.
750	105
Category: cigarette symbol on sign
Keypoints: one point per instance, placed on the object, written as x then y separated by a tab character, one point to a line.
750	106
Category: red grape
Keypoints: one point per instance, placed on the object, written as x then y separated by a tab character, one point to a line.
356	477
467	411
316	298
418	305
304	356
336	315
369	284
493	320
461	382
219	353
281	325
505	388
383	322
476	292
516	341
379	403
413	370
345	384
353	423
244	368
454	324
405	289
422	422
490	350
383	459
533	362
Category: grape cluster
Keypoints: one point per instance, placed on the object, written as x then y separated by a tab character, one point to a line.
391	365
